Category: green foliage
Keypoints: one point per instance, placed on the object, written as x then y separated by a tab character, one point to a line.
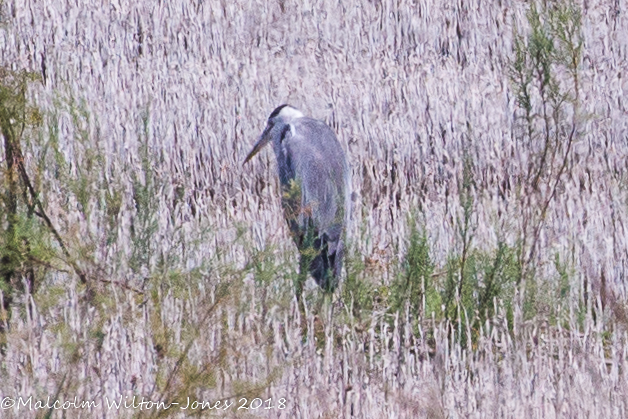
499	275
554	43
265	269
415	286
178	377
545	78
31	249
83	174
357	293
554	295
490	278
461	281
22	244
468	291
548	111
460	287
563	284
145	197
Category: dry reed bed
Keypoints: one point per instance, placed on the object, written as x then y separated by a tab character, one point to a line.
407	87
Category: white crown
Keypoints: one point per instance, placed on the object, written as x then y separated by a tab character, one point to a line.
289	112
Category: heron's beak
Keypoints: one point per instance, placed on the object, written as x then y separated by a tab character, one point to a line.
263	140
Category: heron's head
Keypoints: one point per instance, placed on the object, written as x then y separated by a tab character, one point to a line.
277	121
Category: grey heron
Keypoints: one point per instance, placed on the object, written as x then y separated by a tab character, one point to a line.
315	191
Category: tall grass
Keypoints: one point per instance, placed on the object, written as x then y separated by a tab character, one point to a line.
485	274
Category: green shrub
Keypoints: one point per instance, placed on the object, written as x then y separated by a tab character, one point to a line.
548	114
414	287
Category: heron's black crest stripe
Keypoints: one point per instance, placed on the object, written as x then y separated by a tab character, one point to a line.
277	110
285	130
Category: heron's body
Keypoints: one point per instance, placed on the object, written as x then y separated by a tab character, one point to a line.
314	178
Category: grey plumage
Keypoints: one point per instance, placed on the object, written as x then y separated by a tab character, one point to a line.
314	178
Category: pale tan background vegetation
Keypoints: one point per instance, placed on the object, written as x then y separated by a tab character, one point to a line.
141	115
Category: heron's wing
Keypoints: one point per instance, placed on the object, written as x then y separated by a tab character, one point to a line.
315	175
319	166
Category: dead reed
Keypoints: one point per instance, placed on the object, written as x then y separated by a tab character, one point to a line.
487	268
